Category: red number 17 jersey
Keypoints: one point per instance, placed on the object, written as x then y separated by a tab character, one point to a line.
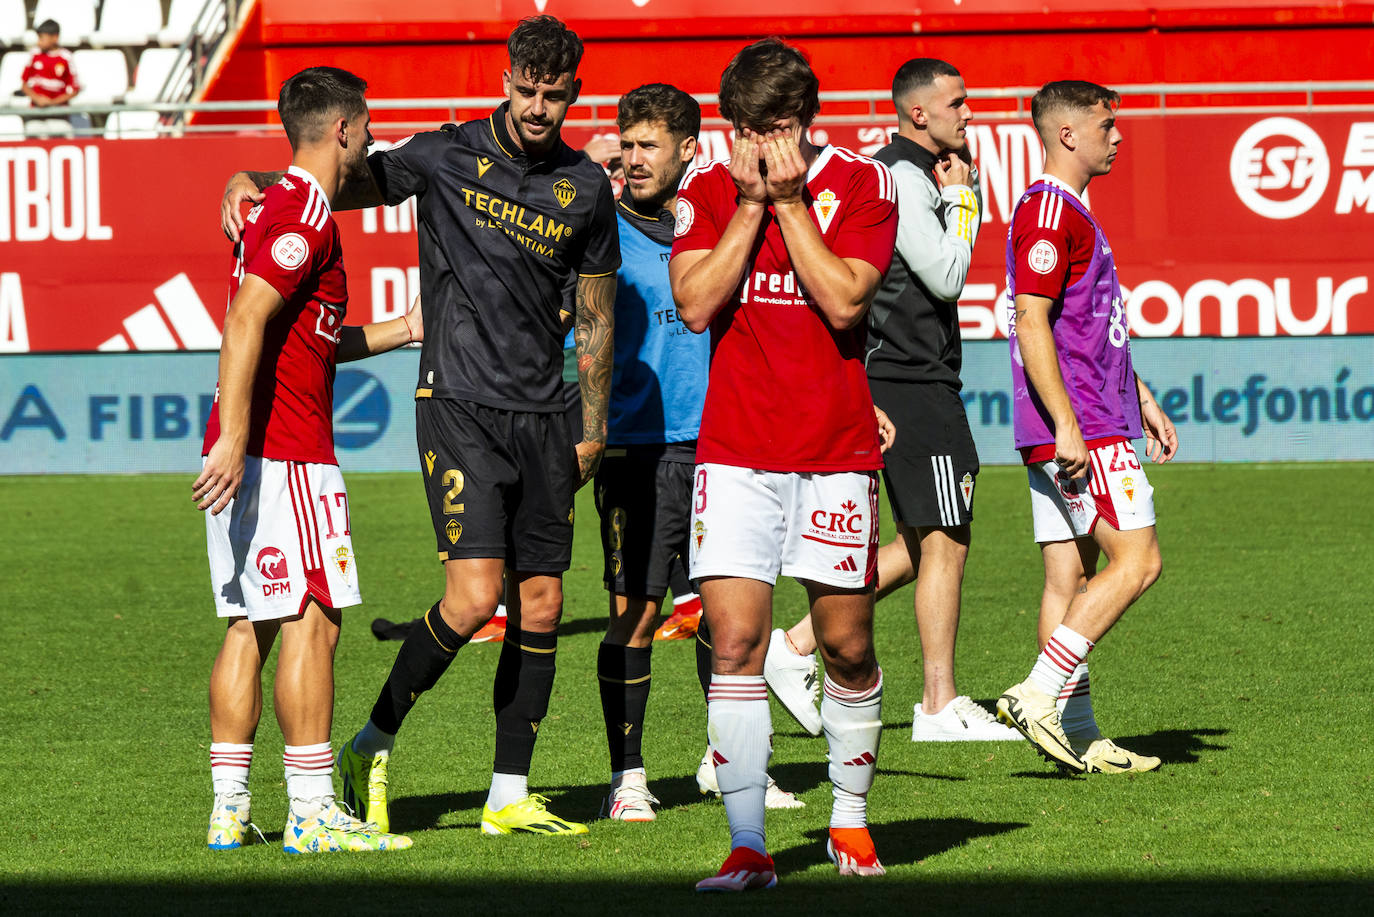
290	240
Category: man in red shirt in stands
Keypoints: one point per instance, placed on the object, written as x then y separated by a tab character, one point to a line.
49	79
779	252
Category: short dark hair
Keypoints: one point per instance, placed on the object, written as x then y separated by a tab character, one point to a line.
315	95
543	49
1068	95
768	82
656	102
49	27
918	73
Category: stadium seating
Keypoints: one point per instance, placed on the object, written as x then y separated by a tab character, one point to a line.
12	79
11	128
132	124
104	75
14	22
76	17
181	21
48	127
154	64
127	22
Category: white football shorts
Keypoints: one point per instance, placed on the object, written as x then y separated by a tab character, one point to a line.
1114	490
820	526
282	539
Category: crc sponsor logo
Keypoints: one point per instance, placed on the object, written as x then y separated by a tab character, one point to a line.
1281	168
362	409
841	524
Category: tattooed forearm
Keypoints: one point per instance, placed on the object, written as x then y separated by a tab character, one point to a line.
264	180
595	330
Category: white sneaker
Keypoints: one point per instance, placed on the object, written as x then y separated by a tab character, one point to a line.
793	681
775	797
631	801
961	721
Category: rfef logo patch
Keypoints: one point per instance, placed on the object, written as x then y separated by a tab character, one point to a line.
290	251
685	216
1042	257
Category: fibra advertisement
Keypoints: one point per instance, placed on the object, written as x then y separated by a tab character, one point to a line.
1232	400
112	413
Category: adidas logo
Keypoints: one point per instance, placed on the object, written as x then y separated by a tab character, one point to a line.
865	758
191	327
847	565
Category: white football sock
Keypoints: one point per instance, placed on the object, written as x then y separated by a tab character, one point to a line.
309	773
371	740
1076	705
506	789
853	725
1062	653
229	765
740	729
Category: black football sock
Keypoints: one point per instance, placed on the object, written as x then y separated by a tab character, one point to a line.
623	672
704	657
520	694
424	656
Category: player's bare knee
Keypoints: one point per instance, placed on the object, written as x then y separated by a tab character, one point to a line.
738	652
849	659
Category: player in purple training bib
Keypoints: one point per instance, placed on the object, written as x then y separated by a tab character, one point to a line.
1077	405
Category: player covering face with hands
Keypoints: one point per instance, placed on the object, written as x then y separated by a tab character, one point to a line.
779	253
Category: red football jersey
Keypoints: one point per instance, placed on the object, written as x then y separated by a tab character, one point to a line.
1053	243
50	74
787	392
291	241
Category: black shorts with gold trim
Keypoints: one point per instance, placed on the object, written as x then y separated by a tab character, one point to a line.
499	483
644	498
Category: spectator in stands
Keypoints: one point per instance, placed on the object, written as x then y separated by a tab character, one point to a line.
49	79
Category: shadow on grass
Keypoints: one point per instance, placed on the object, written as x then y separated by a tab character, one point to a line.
899	843
1175	746
517	890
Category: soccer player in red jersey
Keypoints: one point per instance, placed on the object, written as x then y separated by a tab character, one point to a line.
779	252
1077	404
277	520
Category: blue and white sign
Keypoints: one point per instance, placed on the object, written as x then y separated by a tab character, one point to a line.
1233	400
146	412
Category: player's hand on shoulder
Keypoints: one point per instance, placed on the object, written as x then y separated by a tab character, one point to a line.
951	169
744	167
887	432
220	479
237	192
588	460
786	179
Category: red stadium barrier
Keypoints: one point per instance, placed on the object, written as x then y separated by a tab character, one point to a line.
1222	224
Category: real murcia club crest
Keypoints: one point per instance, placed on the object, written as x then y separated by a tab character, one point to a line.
564	191
344	559
825	205
966	487
699	533
1128	485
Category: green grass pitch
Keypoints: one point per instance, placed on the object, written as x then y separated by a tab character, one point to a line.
1247	669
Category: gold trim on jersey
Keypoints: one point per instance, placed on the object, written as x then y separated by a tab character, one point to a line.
424	393
635	213
496	135
606	274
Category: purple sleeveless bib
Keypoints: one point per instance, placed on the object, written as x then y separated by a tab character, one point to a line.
1089	326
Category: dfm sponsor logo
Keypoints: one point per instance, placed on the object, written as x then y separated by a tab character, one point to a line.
1280	168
